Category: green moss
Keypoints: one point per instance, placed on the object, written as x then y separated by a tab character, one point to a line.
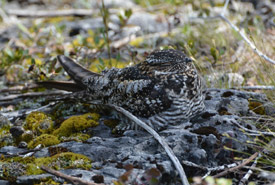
39	123
79	137
16	166
45	140
77	123
256	107
27	136
10	171
59	161
5	136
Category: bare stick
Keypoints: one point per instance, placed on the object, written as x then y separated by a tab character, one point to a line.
69	178
19	88
249	173
168	150
51	13
253	131
242	34
13	20
237	167
126	40
17	114
32	95
211	169
257	87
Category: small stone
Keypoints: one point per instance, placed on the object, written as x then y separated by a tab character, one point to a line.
98	179
4	122
22	144
16	131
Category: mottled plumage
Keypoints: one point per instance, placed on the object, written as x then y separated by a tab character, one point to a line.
162	90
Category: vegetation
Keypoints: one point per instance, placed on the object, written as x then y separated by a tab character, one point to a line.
29	55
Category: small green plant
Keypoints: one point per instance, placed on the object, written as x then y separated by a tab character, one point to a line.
105	16
124	16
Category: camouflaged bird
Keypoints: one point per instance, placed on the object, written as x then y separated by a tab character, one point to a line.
163	90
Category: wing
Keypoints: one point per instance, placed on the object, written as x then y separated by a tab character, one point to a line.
140	94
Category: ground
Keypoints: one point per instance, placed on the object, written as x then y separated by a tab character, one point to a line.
73	138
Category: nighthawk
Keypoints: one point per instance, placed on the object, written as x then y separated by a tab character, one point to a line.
163	90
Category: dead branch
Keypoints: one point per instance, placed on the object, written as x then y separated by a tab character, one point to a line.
249	173
31	95
253	131
257	87
50	13
16	114
69	178
237	167
126	40
168	150
19	88
14	21
209	170
242	34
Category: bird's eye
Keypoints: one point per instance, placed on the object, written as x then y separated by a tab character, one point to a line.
188	59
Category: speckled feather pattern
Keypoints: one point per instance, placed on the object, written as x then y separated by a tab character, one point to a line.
165	89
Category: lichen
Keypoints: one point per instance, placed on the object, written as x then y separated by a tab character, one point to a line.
39	123
10	171
256	107
45	140
76	124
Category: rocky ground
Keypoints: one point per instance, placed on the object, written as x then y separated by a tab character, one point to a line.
201	141
80	141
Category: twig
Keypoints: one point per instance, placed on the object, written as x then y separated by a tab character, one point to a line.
168	150
121	42
237	167
249	173
22	154
16	114
31	95
19	88
14	20
253	131
242	34
209	170
225	7
69	178
257	87
51	13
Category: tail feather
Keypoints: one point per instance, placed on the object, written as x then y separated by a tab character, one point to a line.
76	71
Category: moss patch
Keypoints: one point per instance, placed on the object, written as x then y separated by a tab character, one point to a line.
79	137
17	166
60	161
27	136
5	137
257	107
10	171
76	124
39	123
45	140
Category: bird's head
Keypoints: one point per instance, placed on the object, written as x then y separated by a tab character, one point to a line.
168	61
